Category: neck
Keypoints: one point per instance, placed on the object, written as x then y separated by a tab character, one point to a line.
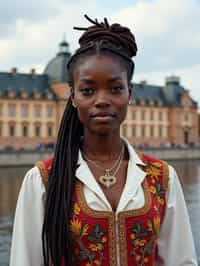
105	147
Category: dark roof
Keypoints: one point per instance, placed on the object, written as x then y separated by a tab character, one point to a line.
19	82
147	93
167	95
56	69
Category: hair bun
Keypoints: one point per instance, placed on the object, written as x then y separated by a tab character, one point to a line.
115	34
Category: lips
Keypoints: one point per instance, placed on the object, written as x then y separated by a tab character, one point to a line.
103	117
103	114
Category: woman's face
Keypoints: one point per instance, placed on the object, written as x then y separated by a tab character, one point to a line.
101	93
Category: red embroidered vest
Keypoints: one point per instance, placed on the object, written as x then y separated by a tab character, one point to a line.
130	239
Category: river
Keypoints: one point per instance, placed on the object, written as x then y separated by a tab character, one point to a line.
11	179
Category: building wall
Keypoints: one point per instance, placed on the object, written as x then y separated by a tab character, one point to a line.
159	125
26	122
146	125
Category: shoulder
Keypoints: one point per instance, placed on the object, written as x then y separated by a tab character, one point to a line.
44	168
157	168
32	186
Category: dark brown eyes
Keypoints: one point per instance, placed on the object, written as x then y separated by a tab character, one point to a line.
90	91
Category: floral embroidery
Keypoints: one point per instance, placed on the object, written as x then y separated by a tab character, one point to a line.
76	209
143	239
96	238
153	169
140	232
144	233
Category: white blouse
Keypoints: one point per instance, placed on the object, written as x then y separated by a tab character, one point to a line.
175	243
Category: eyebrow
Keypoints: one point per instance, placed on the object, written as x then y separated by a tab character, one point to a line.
90	81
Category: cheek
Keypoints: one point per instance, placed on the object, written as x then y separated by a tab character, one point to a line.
123	107
83	113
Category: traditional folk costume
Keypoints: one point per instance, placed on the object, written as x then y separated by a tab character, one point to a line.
150	226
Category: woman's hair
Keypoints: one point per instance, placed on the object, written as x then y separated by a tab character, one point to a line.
100	38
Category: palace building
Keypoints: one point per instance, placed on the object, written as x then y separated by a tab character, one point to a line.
31	107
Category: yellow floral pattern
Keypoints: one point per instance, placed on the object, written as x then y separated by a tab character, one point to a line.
91	254
144	233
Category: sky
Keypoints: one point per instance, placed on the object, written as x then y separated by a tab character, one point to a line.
167	34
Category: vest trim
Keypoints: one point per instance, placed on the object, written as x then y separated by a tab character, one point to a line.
100	214
43	172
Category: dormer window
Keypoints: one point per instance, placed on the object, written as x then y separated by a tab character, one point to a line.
24	94
11	93
49	95
37	94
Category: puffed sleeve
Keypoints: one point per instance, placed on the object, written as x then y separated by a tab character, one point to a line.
26	247
175	243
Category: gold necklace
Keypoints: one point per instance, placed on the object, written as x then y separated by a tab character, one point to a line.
108	179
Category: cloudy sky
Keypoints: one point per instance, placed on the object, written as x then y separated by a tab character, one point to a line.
167	33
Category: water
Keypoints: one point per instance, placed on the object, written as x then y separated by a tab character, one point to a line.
11	179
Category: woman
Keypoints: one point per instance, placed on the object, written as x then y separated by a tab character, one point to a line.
98	202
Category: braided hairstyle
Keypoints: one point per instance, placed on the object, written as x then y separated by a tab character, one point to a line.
113	40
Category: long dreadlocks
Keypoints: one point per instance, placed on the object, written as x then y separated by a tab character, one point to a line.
114	40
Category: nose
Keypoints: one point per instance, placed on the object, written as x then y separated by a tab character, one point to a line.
102	99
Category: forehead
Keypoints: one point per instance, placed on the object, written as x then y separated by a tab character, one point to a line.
95	65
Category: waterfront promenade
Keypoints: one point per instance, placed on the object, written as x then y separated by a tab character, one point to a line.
29	157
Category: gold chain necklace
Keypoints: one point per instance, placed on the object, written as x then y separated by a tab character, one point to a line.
108	179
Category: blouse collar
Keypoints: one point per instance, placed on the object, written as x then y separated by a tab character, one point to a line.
135	176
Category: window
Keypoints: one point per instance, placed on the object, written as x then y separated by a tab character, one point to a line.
12	110
143	115
37	130
143	131
25	131
133	115
124	130
186	117
24	110
11	130
1	109
133	131
152	115
160	116
49	111
37	110
152	131
160	131
1	129
49	131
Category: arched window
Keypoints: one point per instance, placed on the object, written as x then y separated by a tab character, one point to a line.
37	130
25	130
49	130
11	130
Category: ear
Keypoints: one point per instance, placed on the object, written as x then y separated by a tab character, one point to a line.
72	97
130	91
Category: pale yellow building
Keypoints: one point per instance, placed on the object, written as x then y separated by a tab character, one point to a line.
31	106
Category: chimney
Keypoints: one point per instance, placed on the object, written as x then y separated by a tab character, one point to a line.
14	70
143	83
172	80
33	71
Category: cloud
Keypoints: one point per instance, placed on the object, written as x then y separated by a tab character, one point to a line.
167	32
31	11
168	37
36	42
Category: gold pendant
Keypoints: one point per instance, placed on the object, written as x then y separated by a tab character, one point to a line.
107	180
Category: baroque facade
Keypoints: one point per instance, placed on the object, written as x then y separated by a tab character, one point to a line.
31	107
161	115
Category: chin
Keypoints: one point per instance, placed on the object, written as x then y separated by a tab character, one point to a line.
105	130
